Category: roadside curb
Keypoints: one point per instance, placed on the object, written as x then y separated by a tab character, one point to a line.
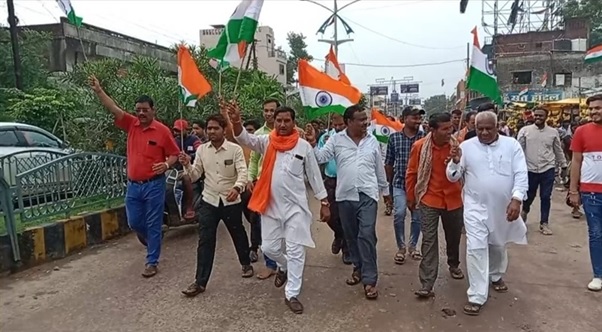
61	238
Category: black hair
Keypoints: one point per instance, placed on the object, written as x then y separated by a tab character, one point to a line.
285	109
593	98
253	123
350	111
566	121
201	123
456	111
438	118
271	100
470	114
221	121
539	108
145	99
486	107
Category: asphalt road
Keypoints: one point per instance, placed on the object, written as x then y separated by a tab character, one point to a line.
101	289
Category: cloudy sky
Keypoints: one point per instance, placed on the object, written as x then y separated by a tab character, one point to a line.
392	39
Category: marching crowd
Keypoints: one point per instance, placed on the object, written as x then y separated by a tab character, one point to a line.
477	179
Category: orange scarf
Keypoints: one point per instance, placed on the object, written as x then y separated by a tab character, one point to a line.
262	192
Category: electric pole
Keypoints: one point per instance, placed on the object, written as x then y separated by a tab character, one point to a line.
14	39
335	41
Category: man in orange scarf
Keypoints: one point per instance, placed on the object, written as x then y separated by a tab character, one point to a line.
280	196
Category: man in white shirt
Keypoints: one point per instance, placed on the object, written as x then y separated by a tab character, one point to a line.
225	169
495	183
280	196
361	180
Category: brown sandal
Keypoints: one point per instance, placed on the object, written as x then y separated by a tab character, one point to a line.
415	254
472	309
355	279
499	286
370	292
424	293
400	257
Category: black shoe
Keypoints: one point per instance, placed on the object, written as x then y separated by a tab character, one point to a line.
280	278
253	256
346	258
337	245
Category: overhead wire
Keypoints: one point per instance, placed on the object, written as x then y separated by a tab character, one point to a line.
426	64
401	41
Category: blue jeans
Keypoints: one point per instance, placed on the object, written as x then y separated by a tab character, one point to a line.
144	205
545	182
399	216
592	205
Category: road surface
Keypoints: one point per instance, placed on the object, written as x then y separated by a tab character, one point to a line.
101	289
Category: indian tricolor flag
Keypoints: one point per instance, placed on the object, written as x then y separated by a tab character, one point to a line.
382	127
322	94
68	10
231	48
333	68
480	76
193	85
594	54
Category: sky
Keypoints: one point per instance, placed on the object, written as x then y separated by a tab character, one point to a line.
392	39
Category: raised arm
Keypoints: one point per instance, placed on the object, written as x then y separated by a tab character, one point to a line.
323	154
105	100
456	167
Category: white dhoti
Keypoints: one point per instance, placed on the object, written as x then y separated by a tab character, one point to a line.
484	266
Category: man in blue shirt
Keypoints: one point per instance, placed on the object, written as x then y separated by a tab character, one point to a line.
330	182
396	163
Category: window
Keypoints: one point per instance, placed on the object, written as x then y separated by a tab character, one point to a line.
281	69
8	138
538	46
522	77
563	79
37	139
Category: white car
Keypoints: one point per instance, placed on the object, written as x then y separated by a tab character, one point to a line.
23	147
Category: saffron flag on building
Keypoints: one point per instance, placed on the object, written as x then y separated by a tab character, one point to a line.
480	76
239	32
70	12
544	80
321	94
382	127
523	92
594	54
333	69
193	85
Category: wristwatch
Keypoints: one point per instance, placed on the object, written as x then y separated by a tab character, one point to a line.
238	189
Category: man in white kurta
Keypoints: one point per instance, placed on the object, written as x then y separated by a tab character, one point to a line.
287	216
495	183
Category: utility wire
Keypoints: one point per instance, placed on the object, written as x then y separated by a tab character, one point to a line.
397	66
401	41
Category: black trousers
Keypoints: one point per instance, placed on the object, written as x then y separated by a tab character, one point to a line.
253	219
209	217
335	219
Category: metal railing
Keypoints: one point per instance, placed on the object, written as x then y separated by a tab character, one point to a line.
56	185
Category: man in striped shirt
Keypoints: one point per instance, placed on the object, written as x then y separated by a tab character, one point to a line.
586	182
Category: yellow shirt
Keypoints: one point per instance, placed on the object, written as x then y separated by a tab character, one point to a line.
224	169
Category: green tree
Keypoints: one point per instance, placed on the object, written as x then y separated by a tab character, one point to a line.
33	47
296	42
437	104
587	8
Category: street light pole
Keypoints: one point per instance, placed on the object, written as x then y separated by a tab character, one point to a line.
14	38
335	41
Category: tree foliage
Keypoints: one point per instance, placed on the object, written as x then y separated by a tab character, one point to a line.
438	104
587	8
296	42
67	105
33	46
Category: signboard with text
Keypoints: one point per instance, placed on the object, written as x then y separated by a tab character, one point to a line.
379	90
414	102
533	96
409	88
394	97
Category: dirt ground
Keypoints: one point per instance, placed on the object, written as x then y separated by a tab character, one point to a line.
101	289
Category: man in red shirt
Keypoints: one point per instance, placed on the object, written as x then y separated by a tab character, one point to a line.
151	151
586	182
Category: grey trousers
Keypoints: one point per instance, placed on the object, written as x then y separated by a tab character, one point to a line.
452	226
359	226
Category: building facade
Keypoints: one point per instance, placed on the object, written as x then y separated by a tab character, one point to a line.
69	45
545	65
270	59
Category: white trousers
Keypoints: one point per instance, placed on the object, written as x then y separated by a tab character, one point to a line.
292	261
484	266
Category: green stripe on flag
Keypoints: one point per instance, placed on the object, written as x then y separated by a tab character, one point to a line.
314	112
485	84
74	19
381	139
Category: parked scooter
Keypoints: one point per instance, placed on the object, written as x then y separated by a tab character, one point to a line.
173	213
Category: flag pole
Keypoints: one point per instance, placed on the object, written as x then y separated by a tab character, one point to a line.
81	43
219	80
238	78
181	118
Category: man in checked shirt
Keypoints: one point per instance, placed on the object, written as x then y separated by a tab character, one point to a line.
396	162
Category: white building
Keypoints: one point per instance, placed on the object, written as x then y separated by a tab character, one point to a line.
269	59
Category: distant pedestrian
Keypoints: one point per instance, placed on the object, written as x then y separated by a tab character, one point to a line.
151	151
